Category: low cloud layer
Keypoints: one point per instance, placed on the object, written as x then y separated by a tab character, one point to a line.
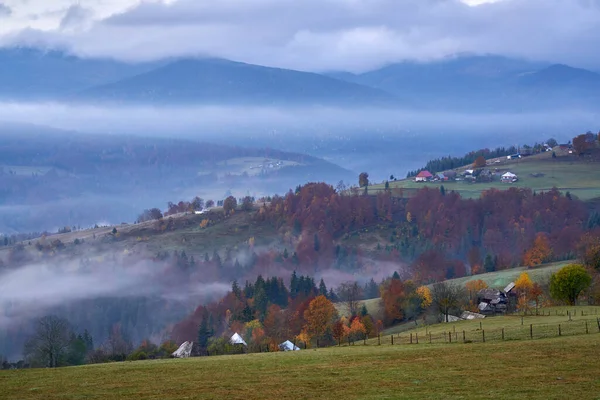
32	290
353	35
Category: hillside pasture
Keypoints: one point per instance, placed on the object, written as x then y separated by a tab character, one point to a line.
557	368
251	166
539	173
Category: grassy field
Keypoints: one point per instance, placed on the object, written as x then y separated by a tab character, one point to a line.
558	368
516	327
251	165
567	173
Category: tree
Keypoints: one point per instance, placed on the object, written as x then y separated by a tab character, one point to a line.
581	143
479	162
350	294
552	142
229	205
320	316
247	203
363	179
393	296
475	286
569	282
524	283
204	334
322	288
48	346
425	295
539	252
589	251
446	297
210	203
488	264
150	215
197	204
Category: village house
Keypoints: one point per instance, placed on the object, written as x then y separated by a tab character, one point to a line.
423	176
493	301
509	177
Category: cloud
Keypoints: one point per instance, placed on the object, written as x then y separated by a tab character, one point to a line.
351	35
5	11
76	18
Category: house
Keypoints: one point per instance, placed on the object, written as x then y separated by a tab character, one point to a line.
441	177
492	301
450	175
237	339
509	177
288	346
423	176
184	351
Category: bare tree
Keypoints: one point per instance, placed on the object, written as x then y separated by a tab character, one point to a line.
50	341
447	297
350	293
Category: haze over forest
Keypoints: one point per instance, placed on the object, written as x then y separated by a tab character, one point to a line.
110	108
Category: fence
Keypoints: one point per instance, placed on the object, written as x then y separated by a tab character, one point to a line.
481	334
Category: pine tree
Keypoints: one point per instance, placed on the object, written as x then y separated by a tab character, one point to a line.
363	310
396	275
285	254
203	334
488	263
294	284
322	288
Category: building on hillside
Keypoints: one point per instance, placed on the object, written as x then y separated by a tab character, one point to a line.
509	177
467	315
237	339
288	346
423	176
450	175
493	301
440	177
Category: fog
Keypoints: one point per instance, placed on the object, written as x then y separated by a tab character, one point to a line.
336	134
33	290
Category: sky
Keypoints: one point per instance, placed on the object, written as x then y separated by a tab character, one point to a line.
313	35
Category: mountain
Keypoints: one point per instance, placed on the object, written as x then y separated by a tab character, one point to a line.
218	81
31	74
49	178
484	83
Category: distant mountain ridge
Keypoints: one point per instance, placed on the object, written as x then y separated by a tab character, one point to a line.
466	83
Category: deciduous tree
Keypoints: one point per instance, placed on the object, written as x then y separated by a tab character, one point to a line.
320	316
363	179
48	346
446	297
350	294
569	282
539	253
229	205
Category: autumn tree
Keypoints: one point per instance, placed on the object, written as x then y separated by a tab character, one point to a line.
535	294
320	317
473	287
539	253
229	205
210	203
425	295
357	330
392	296
523	284
247	203
446	297
479	162
569	282
350	294
588	251
363	179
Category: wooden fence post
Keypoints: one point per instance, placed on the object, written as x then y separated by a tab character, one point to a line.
464	337
521	320
340	342
450	336
586	327
483	335
411	338
559	332
379	339
531	331
317	343
502	333
430	333
365	340
392	340
417	337
598	320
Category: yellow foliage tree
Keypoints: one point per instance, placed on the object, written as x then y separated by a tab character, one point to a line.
204	223
524	283
475	286
425	295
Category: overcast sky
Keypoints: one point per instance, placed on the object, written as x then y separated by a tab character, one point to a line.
315	35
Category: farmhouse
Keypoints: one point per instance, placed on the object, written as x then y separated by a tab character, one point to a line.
492	301
237	339
423	176
509	177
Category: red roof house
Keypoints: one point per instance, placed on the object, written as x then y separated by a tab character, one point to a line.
423	176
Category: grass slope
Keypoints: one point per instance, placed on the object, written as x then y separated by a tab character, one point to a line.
543	369
566	172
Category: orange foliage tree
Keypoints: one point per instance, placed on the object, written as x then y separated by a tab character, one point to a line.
392	297
320	316
475	286
539	252
479	162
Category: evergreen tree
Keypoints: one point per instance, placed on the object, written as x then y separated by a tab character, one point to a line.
488	263
217	260
285	254
203	334
322	288
363	310
317	245
294	284
443	190
396	275
235	289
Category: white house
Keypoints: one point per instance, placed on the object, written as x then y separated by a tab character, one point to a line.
237	339
288	346
509	177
